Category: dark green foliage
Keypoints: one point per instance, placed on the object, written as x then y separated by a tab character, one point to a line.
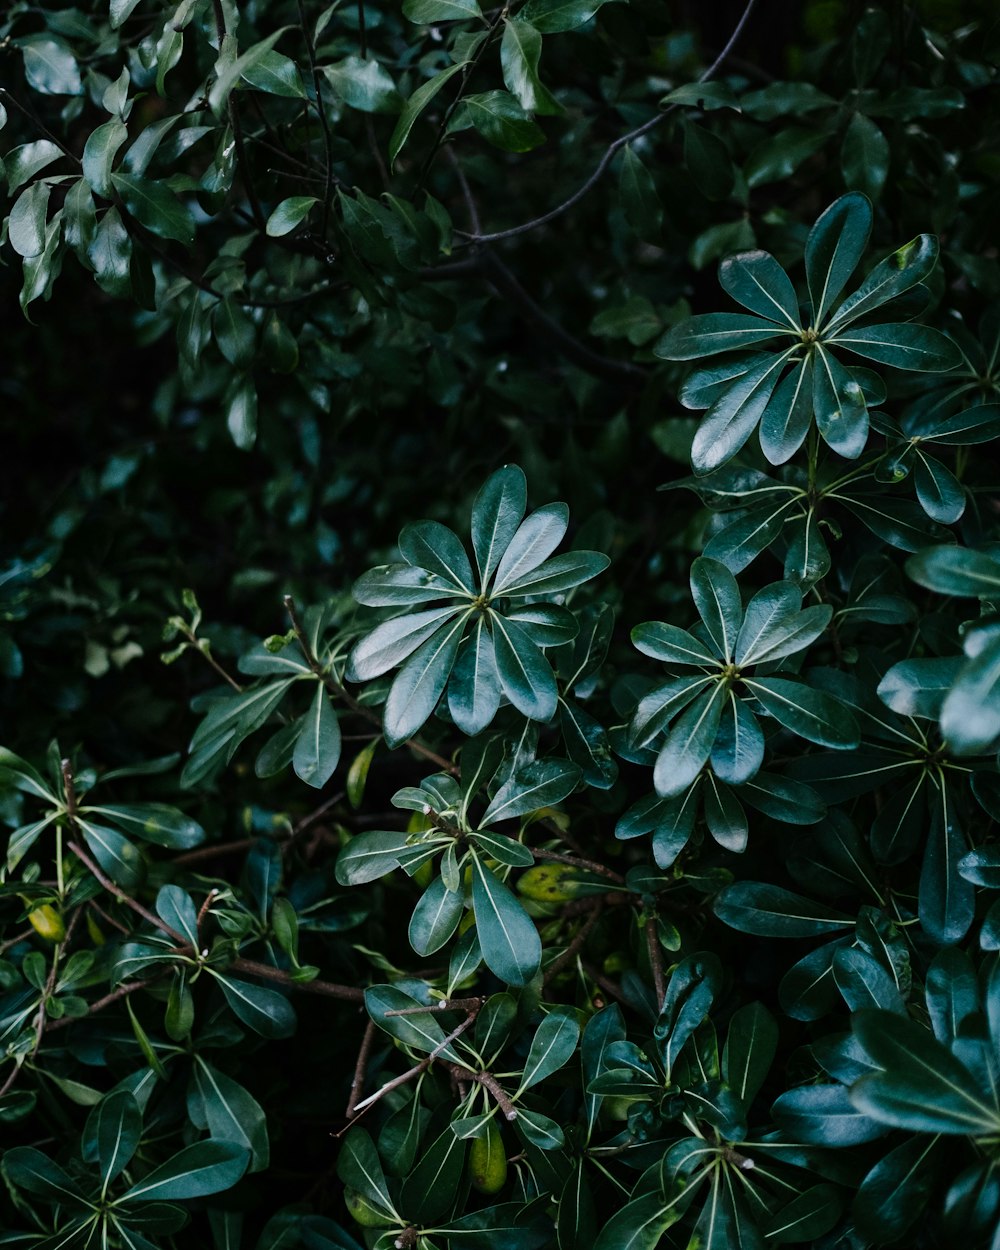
615	874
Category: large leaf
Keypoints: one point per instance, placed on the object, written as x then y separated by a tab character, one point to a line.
317	747
712	333
539	784
266	1011
921	1086
554	1042
810	713
834	249
733	418
770	911
496	515
526	676
232	1113
205	1168
419	684
899	272
510	942
689	742
758	282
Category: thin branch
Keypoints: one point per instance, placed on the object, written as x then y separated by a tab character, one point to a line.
613	149
606	984
502	1099
446	1004
360	1068
589	864
323	120
123	991
39	124
327	989
422	1066
122	897
336	689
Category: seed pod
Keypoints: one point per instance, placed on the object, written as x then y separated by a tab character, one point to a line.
487	1162
47	923
362	1211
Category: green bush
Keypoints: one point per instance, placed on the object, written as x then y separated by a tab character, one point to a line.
599	875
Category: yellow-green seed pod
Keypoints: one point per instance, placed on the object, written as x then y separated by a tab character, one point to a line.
362	1211
47	923
551	883
487	1162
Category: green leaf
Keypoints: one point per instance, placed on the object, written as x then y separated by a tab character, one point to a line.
864	157
176	908
717	598
23	162
824	1115
419	684
427	11
895	1191
156	207
508	937
232	1113
289	214
120	10
863	982
770	911
738	750
834	249
429	1192
918	687
276	75
541	783
899	272
839	406
707	160
317	748
34	1173
267	1012
435	918
751	1044
733	418
806	1218
503	849
115	854
474	687
671	644
938	490
536	538
392	585
812	714
418	1030
553	16
691	990
640	1223
432	546
415	105
552	1046
946	902
902	345
526	677
393	642
207	1167
520	52
758	282
956	571
496	516
922	1086
712	333
50	67
229	68
364	84
501	120
559	574
369	856
773	626
113	1132
230	720
970	717
640	200
19	774
99	153
588	746
154	822
689	743
778	157
703	95
26	224
788	416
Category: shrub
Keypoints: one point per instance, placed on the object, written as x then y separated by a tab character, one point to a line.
617	875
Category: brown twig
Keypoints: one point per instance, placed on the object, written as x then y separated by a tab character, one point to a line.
500	1096
606	984
422	1066
122	897
360	1068
326	989
588	864
123	991
446	1004
323	120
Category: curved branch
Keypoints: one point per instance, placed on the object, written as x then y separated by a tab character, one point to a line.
612	149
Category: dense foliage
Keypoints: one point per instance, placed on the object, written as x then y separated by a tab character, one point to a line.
599	875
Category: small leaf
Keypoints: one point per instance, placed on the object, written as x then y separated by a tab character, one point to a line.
317	748
289	214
